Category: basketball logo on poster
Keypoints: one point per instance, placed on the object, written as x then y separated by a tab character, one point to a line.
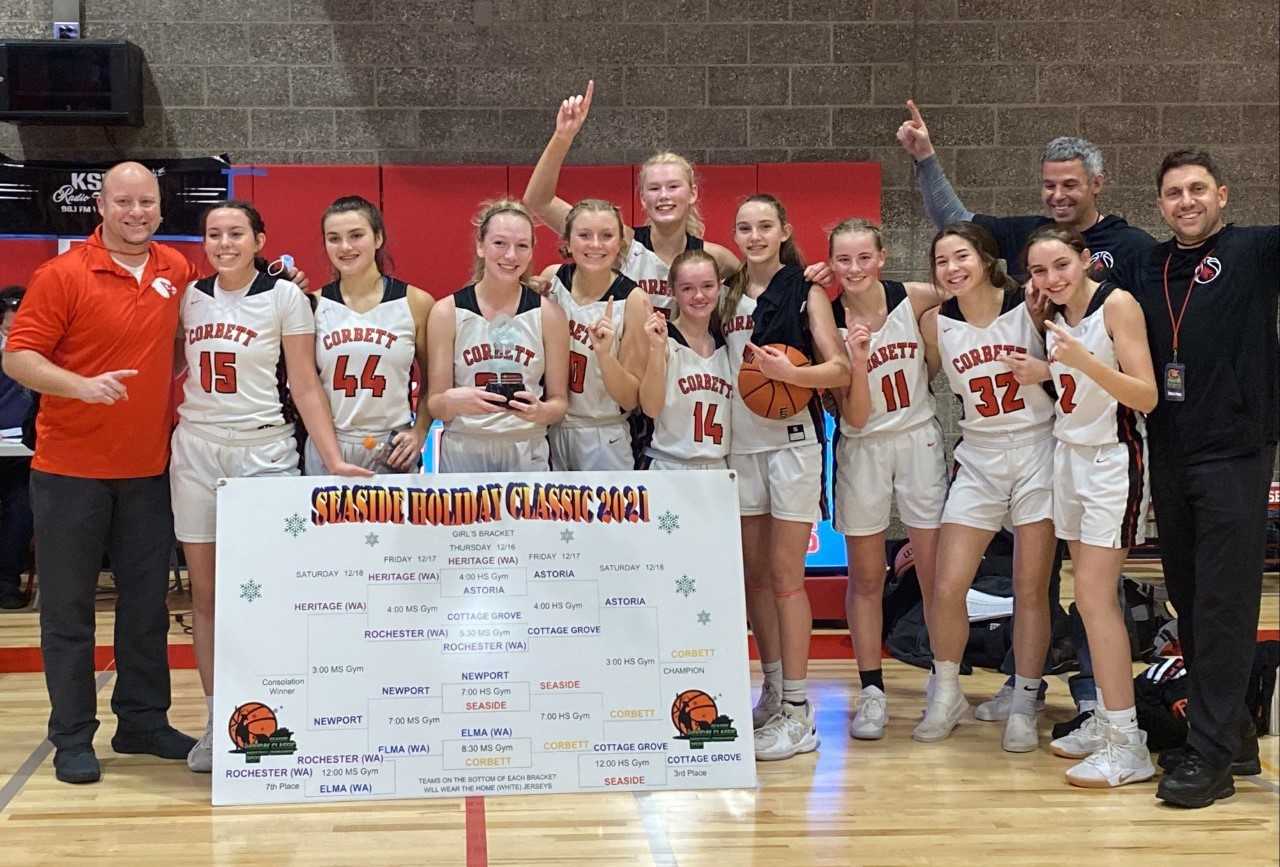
256	732
698	720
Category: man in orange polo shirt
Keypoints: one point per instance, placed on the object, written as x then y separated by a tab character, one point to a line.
95	336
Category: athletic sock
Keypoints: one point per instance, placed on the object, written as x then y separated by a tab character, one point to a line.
1026	692
875	678
795	691
208	703
1125	720
773	674
1098	696
946	675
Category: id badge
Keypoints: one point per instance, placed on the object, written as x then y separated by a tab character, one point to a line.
1175	382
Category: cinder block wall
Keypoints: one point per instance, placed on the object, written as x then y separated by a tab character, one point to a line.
366	81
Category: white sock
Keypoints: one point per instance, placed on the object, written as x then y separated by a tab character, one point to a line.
795	691
208	703
1026	691
773	674
1101	702
946	675
1125	720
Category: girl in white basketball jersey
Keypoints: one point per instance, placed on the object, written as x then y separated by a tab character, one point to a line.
889	442
498	367
668	194
687	388
1100	364
606	312
779	461
237	328
1004	467
370	328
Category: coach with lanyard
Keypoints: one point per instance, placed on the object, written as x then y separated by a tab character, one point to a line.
1209	298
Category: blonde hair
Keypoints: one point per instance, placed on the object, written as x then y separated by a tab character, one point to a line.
851	225
593	206
788	254
688	259
489	210
694	224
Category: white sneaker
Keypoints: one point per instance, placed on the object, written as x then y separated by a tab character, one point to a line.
1020	735
1121	759
873	713
945	711
200	759
790	732
768	705
996	708
1082	742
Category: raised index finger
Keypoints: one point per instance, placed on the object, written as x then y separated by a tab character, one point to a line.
608	309
915	112
586	98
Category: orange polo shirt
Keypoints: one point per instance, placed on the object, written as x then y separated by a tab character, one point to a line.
88	315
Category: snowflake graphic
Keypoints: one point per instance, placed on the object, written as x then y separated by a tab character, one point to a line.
566	536
686	586
250	590
704	617
668	522
371	540
295	525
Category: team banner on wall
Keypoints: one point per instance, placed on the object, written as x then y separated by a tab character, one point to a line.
439	636
58	198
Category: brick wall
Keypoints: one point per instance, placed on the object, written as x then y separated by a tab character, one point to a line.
430	81
364	81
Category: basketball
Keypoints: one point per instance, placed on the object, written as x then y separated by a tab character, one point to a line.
692	710
769	398
251	723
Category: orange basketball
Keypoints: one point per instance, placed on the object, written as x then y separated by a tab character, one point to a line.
769	398
251	723
692	710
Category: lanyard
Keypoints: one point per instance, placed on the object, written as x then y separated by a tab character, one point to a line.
1176	323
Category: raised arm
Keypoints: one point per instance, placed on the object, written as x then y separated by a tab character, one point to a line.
941	203
653	385
540	193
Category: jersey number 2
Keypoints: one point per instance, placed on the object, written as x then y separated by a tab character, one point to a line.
218	372
1067	400
986	390
369	379
704	423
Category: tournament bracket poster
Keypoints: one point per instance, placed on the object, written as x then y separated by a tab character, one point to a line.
448	635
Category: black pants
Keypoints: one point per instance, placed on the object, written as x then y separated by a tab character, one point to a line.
77	520
15	521
1212	522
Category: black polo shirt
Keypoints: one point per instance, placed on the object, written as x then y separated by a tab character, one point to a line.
1227	341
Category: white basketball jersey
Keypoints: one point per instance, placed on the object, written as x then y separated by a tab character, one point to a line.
696	421
365	359
1086	414
754	433
993	400
477	361
589	401
648	270
897	373
232	345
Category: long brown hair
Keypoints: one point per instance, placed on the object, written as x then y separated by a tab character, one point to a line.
788	254
256	224
688	259
367	209
984	243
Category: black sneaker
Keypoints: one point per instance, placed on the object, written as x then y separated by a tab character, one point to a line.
165	742
77	765
1194	783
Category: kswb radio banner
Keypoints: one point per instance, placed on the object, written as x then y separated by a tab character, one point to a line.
58	198
448	635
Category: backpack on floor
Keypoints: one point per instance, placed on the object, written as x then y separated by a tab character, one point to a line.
1160	694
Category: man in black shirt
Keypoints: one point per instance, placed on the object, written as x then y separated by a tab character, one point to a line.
1209	298
1071	181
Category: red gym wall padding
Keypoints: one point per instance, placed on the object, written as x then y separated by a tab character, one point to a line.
428	209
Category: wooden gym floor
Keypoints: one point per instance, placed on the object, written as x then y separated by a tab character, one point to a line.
886	802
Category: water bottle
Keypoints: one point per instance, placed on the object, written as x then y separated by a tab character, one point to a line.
504	335
380	460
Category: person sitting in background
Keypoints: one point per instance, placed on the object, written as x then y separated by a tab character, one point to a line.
15	472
